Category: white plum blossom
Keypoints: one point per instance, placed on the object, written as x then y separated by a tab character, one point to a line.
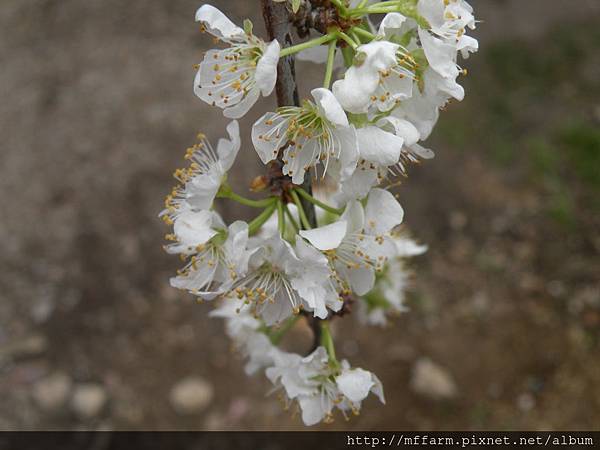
283	281
201	181
217	254
316	132
356	384
385	148
319	387
234	78
381	78
394	24
441	44
359	244
388	294
449	20
327	234
440	55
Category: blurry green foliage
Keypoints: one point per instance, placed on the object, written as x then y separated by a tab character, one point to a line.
582	144
528	111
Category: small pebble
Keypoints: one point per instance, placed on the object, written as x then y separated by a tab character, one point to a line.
431	380
51	392
191	395
88	400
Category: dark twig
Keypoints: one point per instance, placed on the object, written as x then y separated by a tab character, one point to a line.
279	26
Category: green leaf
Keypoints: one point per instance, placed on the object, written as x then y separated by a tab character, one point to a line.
248	26
296	5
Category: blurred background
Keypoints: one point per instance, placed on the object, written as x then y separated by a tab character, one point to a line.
96	112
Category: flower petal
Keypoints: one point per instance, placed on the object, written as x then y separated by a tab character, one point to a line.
362	180
377	389
240	109
467	45
432	11
311	278
348	148
217	23
402	128
355	384
391	24
327	237
383	212
227	150
312	409
194	228
355	216
406	247
330	107
360	82
440	55
266	69
379	146
269	135
361	280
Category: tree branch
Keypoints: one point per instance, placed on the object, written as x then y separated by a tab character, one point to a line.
279	26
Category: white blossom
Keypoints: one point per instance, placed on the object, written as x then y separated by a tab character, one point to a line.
318	386
449	21
389	293
315	132
359	244
371	125
235	77
217	255
283	280
394	24
385	148
382	77
200	182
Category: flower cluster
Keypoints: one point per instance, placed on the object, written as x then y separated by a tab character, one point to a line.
312	254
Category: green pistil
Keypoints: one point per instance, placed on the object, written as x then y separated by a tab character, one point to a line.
219	239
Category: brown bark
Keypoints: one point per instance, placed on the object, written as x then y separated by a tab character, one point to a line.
279	26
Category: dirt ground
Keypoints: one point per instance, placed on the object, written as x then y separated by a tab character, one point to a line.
96	112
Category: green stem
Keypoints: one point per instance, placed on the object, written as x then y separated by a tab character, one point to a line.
280	218
226	192
330	61
277	335
363	32
340	5
348	55
354	36
327	342
260	220
347	39
376	8
365	11
319	203
308	44
387	3
301	213
291	218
